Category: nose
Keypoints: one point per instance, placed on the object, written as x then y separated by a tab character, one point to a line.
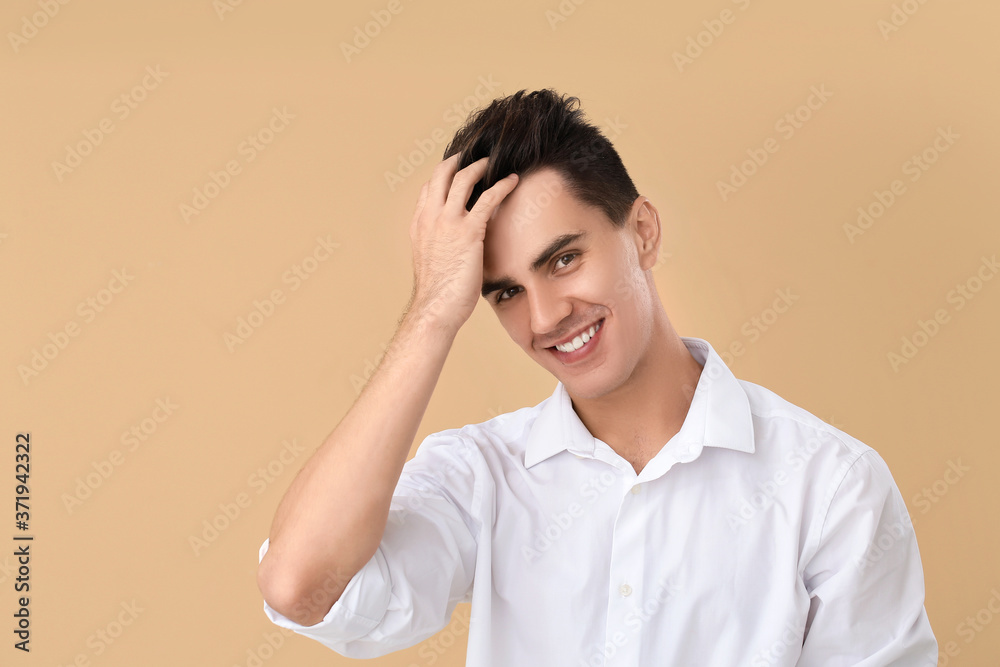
547	309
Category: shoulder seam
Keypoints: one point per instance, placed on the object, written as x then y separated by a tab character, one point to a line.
820	426
828	502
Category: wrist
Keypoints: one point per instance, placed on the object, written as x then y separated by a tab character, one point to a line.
428	317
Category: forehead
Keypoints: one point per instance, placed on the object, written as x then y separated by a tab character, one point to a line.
539	209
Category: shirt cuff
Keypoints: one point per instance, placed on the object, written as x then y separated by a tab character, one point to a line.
355	614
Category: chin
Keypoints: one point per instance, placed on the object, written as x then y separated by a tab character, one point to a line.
588	386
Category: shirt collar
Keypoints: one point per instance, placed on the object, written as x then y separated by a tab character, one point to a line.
719	415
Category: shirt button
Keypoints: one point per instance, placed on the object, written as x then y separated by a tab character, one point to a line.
636	489
625	590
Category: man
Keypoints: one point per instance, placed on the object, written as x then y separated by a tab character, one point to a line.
654	510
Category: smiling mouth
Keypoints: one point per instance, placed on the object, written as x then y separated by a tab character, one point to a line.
580	339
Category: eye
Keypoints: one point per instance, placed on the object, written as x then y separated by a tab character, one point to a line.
501	293
569	254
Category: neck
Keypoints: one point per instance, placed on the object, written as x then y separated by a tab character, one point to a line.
639	416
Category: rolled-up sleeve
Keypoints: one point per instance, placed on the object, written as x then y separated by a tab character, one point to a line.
424	565
865	577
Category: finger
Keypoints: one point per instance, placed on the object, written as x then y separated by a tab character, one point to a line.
488	202
440	181
461	186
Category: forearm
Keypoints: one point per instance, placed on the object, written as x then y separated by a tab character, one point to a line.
331	520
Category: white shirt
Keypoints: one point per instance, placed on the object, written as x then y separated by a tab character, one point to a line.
759	535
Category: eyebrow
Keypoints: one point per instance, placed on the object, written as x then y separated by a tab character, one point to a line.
557	244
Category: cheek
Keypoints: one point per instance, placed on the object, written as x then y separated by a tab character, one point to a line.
629	277
628	299
623	290
517	328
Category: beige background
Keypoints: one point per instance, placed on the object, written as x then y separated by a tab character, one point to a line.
64	234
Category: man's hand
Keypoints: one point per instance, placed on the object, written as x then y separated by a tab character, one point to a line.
448	241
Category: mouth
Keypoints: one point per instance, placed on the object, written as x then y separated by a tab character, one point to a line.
581	346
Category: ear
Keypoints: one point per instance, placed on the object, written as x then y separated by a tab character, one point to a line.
646	221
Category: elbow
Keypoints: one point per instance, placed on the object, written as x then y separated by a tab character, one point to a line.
286	594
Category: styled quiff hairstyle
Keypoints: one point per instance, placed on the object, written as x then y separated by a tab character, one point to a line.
523	133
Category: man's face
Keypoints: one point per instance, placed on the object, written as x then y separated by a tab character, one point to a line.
595	278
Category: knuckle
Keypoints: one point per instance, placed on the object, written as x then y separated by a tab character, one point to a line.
481	207
478	166
464	175
444	165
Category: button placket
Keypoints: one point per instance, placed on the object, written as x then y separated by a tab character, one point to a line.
628	558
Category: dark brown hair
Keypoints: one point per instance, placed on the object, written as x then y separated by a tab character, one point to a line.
522	133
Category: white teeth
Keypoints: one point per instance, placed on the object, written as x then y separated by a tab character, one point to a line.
580	340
